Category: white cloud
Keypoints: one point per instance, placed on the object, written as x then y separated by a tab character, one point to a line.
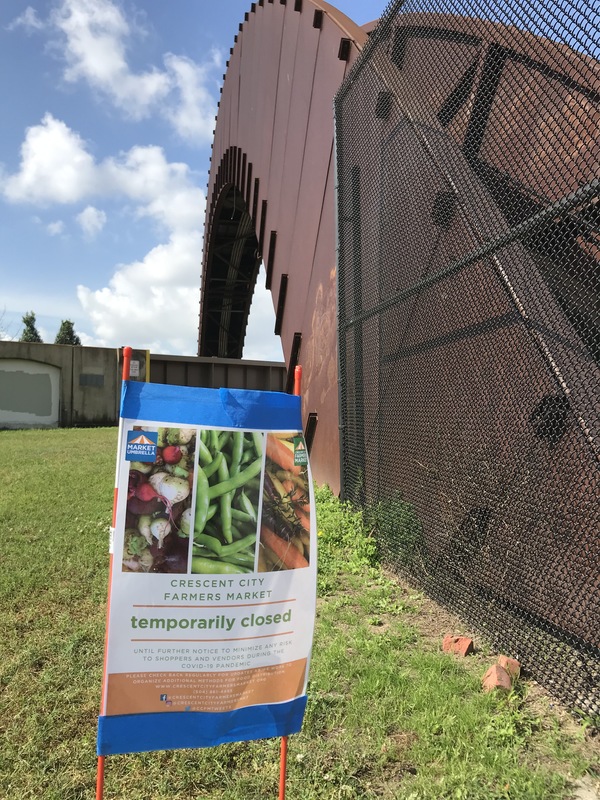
55	228
94	36
261	343
163	189
95	32
28	20
91	220
55	166
153	302
192	113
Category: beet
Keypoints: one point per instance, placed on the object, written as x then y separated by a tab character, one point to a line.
145	491
137	506
172	557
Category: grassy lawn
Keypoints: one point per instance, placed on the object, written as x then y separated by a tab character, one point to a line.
389	715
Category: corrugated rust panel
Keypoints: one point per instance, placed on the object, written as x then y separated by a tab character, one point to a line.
318	352
316	161
266	81
288	136
252	98
233	100
276	109
531	141
245	73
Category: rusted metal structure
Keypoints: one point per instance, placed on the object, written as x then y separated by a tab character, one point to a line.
271	196
459	280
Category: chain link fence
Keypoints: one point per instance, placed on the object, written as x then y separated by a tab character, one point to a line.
468	169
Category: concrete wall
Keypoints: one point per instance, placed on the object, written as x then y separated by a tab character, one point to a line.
84	385
51	385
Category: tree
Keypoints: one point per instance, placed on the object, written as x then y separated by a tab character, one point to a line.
30	332
66	334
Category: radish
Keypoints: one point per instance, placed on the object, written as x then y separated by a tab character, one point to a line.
160	528
185	523
170	488
172	454
144	528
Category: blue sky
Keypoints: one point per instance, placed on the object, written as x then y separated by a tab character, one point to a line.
108	108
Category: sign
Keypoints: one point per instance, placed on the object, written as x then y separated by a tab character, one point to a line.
300	451
139	366
213	578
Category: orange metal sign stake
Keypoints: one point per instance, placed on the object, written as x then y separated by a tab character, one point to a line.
284	739
282	767
127	351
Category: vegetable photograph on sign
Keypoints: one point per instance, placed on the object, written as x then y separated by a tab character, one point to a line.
227	497
285	519
227	469
159	496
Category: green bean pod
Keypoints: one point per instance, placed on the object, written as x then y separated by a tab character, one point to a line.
200	550
225	503
236	481
209	566
257	438
239	559
204	454
237	547
223	439
248	455
242	529
210	542
213	466
247	506
241	516
202	501
237	451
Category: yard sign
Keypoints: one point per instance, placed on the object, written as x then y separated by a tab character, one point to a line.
213	570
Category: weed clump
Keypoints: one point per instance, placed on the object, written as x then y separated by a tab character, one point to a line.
344	541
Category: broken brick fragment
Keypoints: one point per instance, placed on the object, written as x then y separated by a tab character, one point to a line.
511	665
460	645
496	678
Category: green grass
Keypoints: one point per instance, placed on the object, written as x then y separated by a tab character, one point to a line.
389	716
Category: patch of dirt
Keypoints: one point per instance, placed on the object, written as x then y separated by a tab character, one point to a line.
396	747
585	789
399	742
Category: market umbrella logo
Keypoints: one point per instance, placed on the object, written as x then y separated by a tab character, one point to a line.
141	446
